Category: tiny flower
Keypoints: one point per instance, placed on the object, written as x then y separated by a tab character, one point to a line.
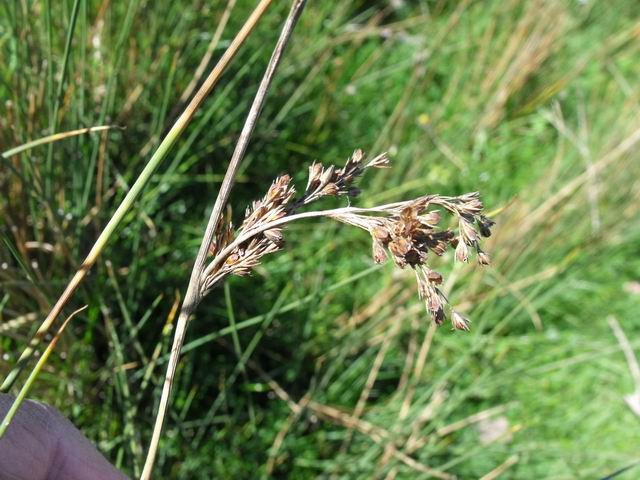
353	192
430	218
438	316
274	235
398	258
327	175
381	234
379	253
401	245
330	189
459	322
485	225
315	169
415	257
232	259
483	258
468	233
381	161
462	252
356	157
434	277
434	299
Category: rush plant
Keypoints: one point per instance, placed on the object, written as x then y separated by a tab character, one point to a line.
408	230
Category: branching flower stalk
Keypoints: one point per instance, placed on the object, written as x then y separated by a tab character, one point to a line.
406	231
193	296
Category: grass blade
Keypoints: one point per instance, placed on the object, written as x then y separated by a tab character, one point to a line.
126	204
56	137
34	374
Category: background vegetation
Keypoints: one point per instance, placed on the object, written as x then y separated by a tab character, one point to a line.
322	365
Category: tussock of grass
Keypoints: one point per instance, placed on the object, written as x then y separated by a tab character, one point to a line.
532	102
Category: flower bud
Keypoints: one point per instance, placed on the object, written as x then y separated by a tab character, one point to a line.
462	252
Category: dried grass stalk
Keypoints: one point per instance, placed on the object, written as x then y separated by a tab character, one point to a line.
406	231
215	233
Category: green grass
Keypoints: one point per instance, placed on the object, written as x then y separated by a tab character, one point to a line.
515	99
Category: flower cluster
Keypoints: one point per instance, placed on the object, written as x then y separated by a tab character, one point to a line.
332	181
407	232
246	256
276	204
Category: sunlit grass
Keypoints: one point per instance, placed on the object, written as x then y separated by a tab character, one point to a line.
518	99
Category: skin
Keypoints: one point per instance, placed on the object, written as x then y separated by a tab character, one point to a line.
41	444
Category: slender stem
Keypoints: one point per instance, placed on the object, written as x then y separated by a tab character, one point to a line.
58	96
141	181
53	138
193	295
34	374
209	53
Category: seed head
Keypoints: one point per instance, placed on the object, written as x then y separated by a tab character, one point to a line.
406	231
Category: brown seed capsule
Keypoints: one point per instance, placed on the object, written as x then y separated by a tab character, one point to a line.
430	218
439	248
400	246
438	316
232	259
274	235
434	277
434	302
330	189
314	175
398	251
381	234
357	156
379	253
485	225
468	233
327	175
413	257
462	252
483	258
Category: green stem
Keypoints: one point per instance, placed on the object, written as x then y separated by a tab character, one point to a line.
33	375
56	102
52	138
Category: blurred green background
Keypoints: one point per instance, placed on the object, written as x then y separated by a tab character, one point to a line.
322	365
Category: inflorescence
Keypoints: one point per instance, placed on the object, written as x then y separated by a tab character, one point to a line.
407	232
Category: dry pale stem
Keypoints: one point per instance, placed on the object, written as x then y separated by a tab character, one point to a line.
193	295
